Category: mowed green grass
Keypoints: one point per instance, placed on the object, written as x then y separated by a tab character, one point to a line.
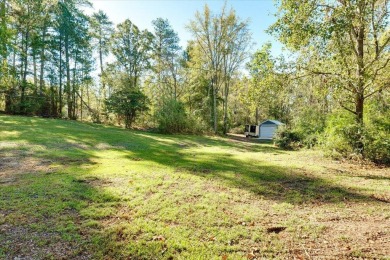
76	190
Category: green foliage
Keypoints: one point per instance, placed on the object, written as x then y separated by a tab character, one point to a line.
309	124
377	146
172	117
344	43
127	103
342	138
237	130
377	134
336	139
131	48
166	57
286	138
270	86
221	45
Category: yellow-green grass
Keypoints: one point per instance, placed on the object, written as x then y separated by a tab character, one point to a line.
77	190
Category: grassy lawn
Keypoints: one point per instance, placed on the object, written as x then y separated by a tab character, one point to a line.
81	191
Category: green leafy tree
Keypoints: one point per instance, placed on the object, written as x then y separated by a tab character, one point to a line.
220	46
166	56
347	42
127	103
131	48
102	30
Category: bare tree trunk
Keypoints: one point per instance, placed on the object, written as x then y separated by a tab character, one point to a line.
74	89
60	90
215	108
81	105
225	116
175	87
24	81
68	86
42	57
35	71
104	91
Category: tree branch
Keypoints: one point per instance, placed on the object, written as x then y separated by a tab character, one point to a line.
346	108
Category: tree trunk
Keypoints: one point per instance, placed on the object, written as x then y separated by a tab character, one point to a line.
3	46
53	111
225	116
359	102
68	86
60	90
74	102
24	81
215	115
175	87
81	104
42	57
35	72
104	92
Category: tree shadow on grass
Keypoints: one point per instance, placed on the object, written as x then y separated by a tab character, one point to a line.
264	180
76	140
61	205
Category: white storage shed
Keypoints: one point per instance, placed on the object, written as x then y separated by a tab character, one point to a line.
268	128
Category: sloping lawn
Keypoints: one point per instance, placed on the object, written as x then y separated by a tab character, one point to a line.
84	191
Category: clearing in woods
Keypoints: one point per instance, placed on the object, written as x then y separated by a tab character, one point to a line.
80	191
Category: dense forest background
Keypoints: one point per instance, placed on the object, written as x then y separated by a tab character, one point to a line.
332	90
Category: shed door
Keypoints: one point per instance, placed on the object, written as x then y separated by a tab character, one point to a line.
267	131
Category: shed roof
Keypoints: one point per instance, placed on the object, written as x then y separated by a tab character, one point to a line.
272	122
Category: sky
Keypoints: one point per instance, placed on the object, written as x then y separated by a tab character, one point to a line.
180	12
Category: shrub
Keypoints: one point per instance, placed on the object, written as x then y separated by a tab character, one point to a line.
172	118
126	104
344	138
237	130
336	138
377	149
308	124
286	138
377	138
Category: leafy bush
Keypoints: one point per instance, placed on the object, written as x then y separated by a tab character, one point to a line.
377	138
308	125
237	130
172	118
127	103
338	135
377	148
286	138
344	138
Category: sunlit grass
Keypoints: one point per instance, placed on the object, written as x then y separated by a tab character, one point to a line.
116	193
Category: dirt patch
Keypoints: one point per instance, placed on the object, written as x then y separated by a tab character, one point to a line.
194	170
94	181
19	242
346	240
11	167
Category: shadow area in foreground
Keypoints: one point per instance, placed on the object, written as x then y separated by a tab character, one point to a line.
74	143
60	209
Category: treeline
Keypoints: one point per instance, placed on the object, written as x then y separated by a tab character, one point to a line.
332	90
46	57
335	93
47	66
